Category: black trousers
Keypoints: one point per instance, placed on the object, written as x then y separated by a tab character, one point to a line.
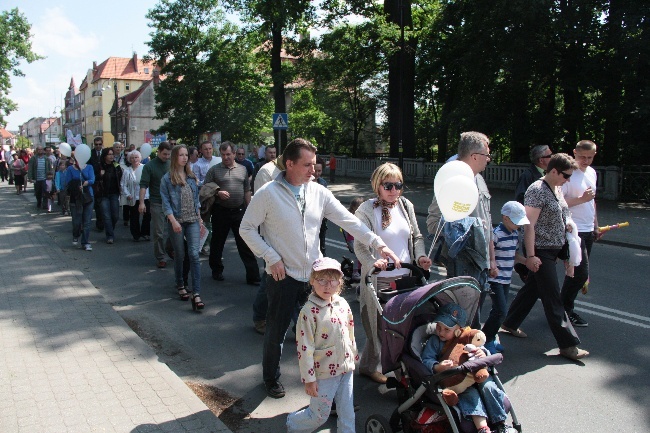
139	229
39	188
572	286
543	285
223	221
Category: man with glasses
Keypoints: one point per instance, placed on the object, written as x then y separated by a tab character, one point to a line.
95	160
478	262
240	157
539	157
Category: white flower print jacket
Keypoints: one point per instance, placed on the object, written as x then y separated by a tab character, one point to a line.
325	339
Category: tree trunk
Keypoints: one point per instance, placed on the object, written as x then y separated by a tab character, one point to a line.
278	84
613	88
401	83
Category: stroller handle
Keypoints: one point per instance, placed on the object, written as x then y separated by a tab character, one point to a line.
391	267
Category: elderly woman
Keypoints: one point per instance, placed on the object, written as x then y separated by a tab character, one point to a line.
392	217
110	175
180	202
130	188
544	238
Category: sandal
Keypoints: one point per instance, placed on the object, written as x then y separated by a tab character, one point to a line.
197	303
182	293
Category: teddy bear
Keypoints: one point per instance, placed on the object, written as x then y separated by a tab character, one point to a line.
457	351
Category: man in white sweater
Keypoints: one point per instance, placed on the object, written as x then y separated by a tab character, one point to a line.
289	211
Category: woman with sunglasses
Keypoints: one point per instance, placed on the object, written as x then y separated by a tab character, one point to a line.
391	217
544	238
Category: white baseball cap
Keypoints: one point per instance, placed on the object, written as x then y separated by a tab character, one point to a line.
516	212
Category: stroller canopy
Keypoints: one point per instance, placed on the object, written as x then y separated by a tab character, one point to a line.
403	313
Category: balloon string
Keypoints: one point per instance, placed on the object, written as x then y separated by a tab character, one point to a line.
435	238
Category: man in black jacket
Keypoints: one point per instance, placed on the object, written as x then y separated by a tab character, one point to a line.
539	157
95	159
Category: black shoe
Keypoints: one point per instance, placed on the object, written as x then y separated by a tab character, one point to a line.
253	282
578	321
217	276
274	389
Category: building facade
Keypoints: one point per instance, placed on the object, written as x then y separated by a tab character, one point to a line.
103	85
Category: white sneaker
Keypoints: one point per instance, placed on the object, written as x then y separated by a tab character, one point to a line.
75	241
88	247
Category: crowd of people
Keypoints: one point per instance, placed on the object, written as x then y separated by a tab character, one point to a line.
277	207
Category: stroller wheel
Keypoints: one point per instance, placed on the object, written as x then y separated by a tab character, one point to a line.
377	424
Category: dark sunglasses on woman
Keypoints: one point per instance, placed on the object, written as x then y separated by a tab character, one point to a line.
388	186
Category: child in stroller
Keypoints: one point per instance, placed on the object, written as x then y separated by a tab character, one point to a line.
405	331
449	320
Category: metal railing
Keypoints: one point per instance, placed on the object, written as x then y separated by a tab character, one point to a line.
612	181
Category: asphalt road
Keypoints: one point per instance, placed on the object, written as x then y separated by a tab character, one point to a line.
605	393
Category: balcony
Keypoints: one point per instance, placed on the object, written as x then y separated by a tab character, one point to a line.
97	113
97	93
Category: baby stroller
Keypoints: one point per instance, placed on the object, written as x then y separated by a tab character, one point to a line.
406	314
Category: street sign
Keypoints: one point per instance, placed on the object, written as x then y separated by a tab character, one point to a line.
280	121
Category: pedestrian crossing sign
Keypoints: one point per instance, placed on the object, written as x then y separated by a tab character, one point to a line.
280	121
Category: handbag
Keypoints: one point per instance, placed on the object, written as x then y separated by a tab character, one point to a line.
87	198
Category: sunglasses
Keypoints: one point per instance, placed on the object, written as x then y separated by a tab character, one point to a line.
545	156
388	186
566	176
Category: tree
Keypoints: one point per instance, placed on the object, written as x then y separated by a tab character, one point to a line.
212	82
272	21
348	67
15	45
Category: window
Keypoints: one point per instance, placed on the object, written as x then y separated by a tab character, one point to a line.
146	70
127	86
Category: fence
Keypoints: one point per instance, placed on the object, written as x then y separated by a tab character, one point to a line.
502	176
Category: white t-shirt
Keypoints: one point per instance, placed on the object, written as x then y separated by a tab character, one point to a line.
396	237
583	214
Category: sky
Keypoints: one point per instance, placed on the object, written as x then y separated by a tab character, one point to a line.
71	34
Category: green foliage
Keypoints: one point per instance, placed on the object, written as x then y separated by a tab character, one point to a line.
212	80
346	75
22	142
15	45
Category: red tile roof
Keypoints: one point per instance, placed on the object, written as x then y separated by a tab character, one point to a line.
123	68
5	134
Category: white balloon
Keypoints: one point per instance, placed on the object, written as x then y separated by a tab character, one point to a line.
145	150
449	170
82	155
5	147
65	149
457	198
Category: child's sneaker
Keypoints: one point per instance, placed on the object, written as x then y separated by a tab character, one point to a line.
75	241
87	247
493	347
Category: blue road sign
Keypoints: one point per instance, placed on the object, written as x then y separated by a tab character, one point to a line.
280	121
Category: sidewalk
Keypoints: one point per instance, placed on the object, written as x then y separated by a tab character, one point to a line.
68	362
637	235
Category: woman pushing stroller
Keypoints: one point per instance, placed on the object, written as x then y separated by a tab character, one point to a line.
481	407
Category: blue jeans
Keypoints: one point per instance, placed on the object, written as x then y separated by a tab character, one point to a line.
192	233
110	213
338	389
485	401
81	217
282	298
499	309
